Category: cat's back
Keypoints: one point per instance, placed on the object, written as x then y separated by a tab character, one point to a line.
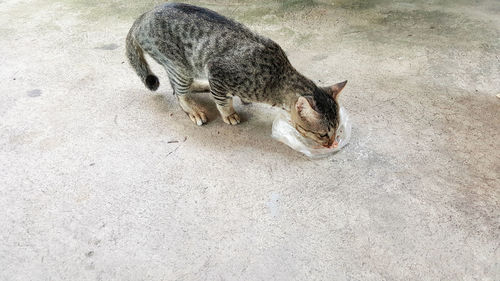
195	25
194	13
180	14
197	36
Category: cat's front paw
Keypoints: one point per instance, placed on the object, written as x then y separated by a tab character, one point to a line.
232	119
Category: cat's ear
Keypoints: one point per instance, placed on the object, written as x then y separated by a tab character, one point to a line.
306	110
335	89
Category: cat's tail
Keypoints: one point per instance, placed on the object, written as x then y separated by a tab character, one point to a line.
135	56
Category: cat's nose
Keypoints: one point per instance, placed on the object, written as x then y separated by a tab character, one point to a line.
334	144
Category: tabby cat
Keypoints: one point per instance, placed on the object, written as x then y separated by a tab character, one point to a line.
196	44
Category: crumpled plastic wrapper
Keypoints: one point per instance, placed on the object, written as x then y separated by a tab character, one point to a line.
284	132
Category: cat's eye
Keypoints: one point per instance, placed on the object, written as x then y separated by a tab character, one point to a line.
323	135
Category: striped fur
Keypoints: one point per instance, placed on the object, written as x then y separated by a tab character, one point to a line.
194	43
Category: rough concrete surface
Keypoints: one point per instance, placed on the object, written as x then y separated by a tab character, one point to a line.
103	180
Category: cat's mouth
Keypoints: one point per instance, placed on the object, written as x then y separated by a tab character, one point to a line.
332	143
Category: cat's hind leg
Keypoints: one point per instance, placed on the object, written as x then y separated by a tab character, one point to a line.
181	84
192	109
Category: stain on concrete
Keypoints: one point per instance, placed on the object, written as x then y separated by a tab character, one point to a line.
319	57
95	10
111	46
357	4
274	204
297	4
89	254
34	93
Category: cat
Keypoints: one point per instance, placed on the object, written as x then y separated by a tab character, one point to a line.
194	43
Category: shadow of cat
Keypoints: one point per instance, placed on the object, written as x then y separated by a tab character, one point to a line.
252	135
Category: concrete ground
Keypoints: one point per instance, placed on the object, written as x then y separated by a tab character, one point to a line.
103	180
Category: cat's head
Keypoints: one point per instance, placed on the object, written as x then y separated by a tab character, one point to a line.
317	117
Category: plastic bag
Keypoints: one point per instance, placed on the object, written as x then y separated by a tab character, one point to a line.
284	132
